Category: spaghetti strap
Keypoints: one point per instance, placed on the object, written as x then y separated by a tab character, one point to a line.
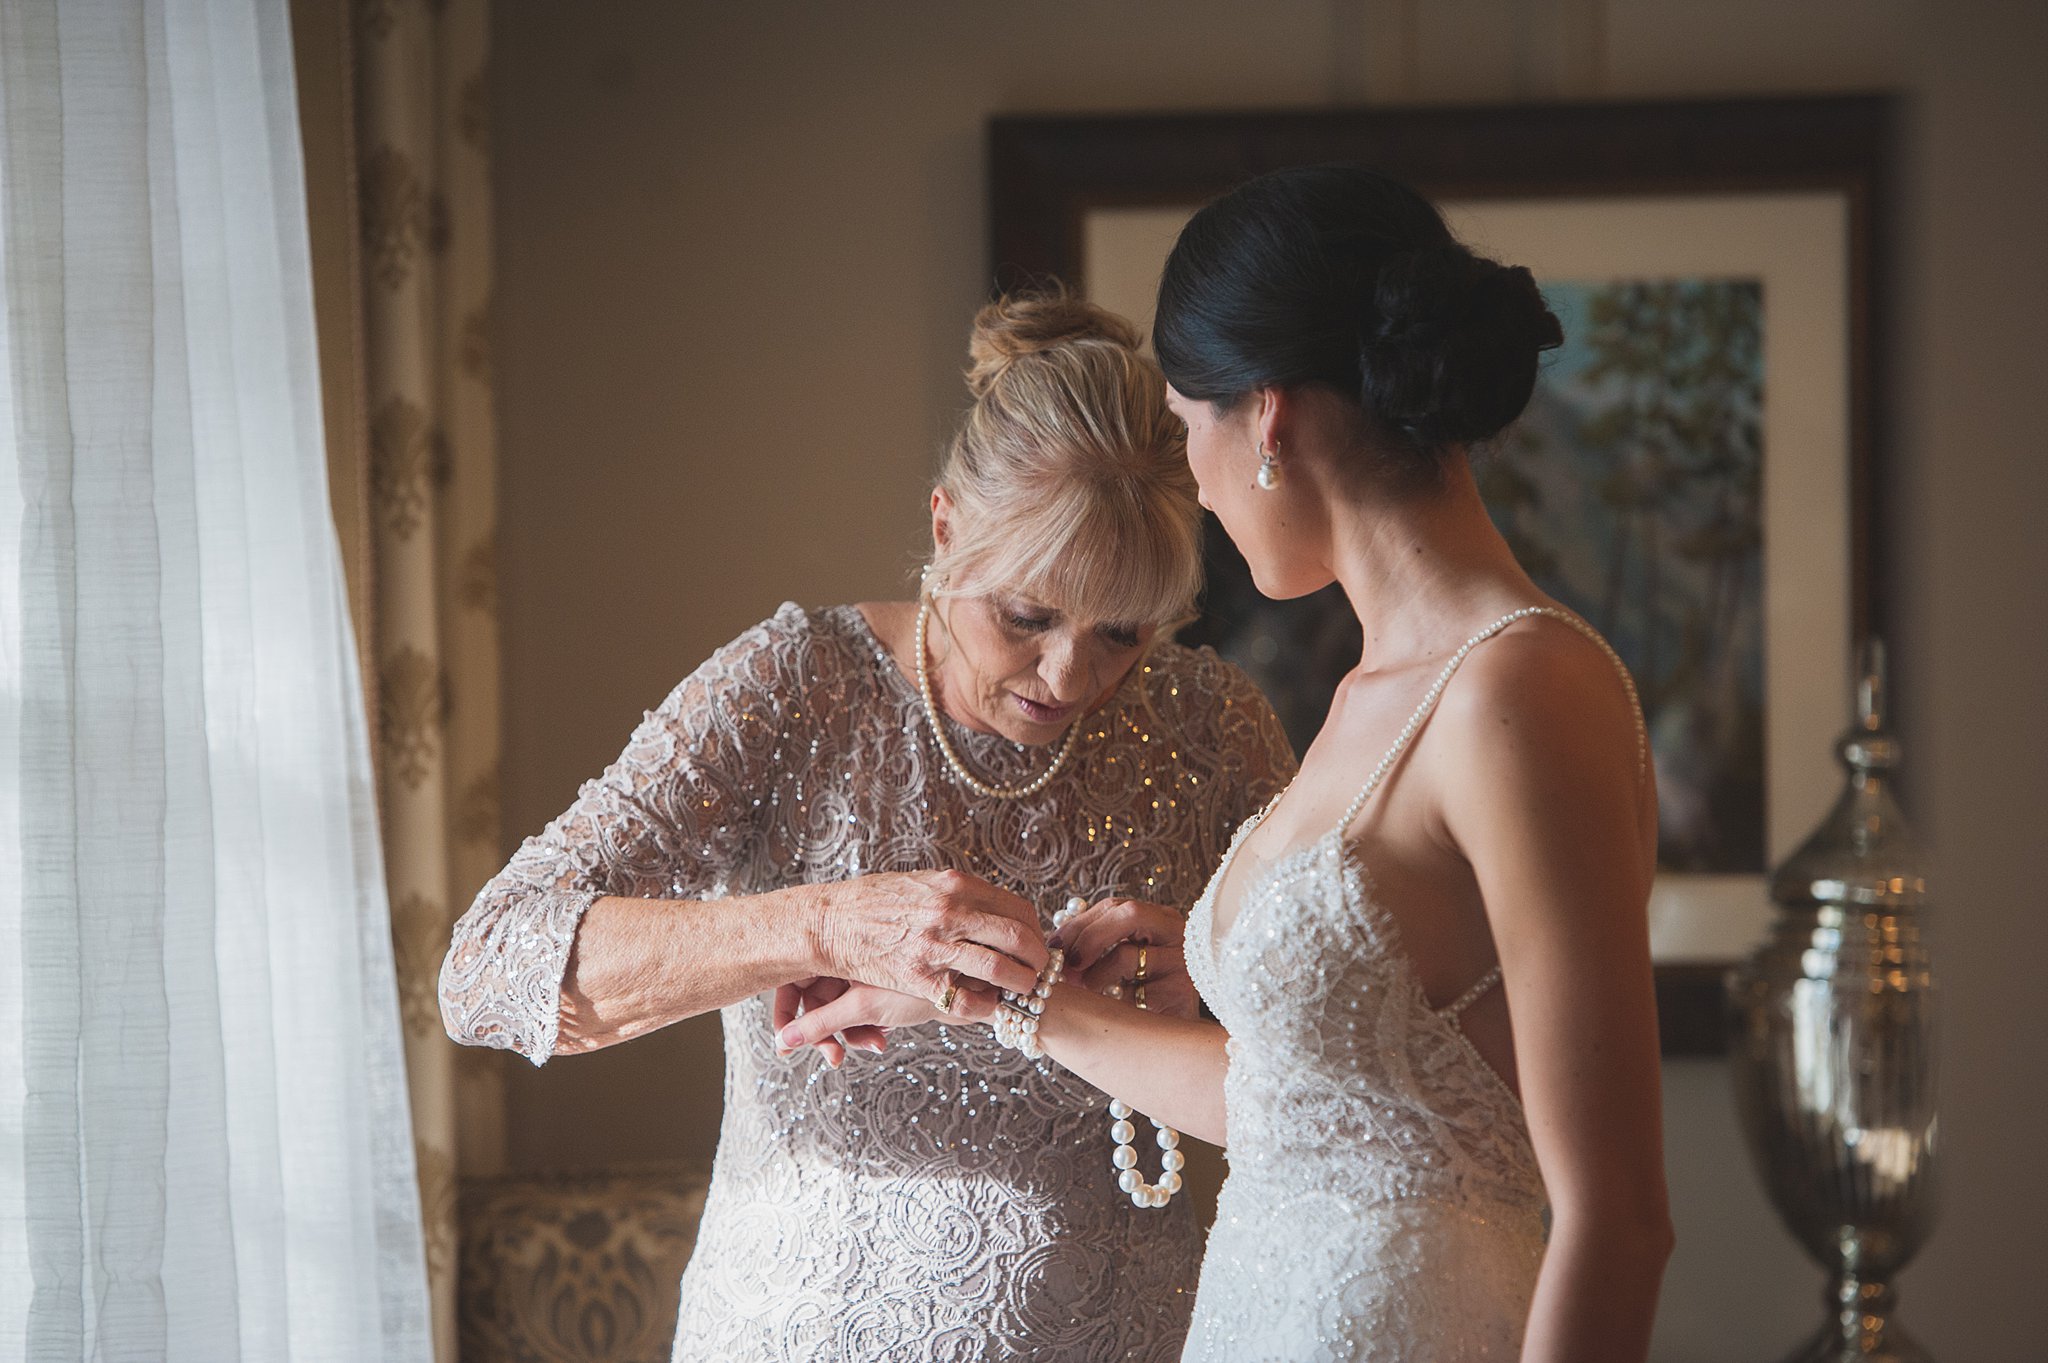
1455	1009
1443	679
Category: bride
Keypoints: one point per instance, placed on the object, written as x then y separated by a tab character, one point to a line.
1437	1071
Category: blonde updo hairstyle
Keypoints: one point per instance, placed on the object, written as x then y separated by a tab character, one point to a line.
1068	479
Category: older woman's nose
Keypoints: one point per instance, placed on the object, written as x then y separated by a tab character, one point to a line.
1064	673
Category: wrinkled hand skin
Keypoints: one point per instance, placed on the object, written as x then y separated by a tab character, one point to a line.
1102	943
915	932
894	943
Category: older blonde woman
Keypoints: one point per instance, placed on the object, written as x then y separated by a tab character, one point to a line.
901	794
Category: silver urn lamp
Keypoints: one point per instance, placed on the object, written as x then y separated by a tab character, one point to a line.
1833	1049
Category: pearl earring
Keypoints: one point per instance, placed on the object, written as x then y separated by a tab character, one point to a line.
1269	472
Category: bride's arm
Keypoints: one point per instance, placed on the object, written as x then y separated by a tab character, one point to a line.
1168	1068
1546	797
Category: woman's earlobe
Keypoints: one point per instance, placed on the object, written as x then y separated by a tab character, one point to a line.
1268	476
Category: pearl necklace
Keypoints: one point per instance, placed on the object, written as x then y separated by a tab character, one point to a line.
960	772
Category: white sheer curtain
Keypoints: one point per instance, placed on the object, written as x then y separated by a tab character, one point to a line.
204	1147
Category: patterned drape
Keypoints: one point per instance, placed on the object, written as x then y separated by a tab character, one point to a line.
423	190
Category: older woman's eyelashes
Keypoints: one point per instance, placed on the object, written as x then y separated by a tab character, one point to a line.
1023	621
1123	636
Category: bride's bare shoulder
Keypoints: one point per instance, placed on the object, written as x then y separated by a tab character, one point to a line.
1544	718
1543	668
1543	685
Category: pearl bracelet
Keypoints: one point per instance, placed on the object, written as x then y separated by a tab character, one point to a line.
1016	1019
1122	1131
1125	1158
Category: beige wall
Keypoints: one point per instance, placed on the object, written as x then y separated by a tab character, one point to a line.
738	247
1974	495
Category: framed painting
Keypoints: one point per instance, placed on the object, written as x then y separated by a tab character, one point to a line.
1696	473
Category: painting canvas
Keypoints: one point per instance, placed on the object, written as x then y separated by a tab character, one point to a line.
1632	491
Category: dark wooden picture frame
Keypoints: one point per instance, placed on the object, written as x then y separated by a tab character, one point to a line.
1047	174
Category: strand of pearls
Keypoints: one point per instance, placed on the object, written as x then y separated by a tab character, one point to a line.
1443	679
1123	1132
1016	1019
960	772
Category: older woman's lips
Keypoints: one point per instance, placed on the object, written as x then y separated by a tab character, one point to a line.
1041	713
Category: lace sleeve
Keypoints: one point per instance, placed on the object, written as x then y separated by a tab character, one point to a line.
668	819
1221	711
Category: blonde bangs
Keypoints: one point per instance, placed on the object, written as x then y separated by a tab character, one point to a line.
1068	479
1097	554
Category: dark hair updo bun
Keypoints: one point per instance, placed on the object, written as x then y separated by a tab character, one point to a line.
1448	356
1340	276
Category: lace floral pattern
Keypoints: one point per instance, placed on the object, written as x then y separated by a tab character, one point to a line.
948	1199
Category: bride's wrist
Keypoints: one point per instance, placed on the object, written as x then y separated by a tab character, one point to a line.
1017	1016
1070	1006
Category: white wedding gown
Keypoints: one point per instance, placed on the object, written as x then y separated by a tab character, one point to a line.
1383	1202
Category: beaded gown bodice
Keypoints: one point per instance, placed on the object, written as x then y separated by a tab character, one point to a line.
947	1199
1383	1202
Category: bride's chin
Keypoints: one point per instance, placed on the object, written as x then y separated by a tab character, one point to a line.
1275	584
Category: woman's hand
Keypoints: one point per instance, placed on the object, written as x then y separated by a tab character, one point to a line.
923	932
860	1015
806	997
1104	942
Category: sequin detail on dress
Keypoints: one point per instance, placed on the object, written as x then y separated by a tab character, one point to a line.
1384	1204
947	1200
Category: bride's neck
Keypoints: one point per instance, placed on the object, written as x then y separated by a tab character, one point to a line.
1422	568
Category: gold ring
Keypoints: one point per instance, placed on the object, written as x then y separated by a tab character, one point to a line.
1138	995
1142	975
952	992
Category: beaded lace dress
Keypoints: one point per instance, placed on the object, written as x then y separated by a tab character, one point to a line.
1383	1201
946	1200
